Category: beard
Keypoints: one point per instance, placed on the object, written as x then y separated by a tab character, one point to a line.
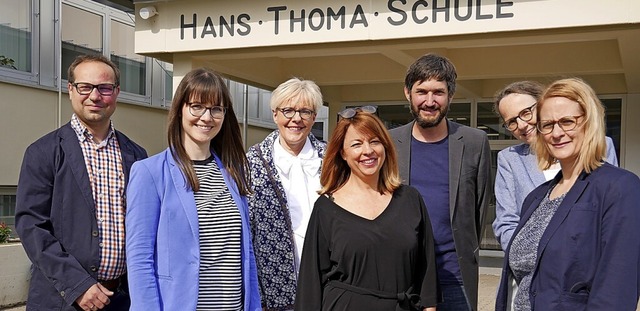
430	121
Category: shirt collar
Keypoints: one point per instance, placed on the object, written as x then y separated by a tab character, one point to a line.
84	134
307	157
306	153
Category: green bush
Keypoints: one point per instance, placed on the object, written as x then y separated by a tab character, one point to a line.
5	231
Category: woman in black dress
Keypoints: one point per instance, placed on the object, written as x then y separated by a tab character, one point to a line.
369	244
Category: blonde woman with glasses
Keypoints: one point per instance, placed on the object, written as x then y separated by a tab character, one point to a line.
518	172
576	246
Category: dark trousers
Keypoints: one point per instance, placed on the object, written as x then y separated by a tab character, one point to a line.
453	299
118	302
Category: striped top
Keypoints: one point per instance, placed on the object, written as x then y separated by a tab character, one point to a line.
220	227
104	167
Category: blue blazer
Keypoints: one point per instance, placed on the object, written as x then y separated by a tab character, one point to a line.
589	255
56	217
517	175
163	248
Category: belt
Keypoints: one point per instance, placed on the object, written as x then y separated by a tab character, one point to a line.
111	285
406	300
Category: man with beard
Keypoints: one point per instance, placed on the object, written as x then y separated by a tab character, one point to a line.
452	172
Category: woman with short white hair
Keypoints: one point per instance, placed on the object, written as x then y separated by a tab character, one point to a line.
285	174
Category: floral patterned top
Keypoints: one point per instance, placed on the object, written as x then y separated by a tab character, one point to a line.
271	228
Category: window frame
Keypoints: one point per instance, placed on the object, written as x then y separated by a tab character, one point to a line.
28	77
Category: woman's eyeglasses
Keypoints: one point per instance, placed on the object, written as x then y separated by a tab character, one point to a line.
289	113
198	110
566	124
351	112
525	115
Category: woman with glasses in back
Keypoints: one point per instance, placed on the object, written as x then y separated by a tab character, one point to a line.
369	244
576	246
518	172
285	173
188	241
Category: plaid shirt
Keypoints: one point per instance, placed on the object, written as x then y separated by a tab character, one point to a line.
104	167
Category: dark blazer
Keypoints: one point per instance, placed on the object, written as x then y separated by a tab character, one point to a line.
469	192
55	217
589	255
516	176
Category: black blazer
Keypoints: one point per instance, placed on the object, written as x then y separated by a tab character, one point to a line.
55	217
469	192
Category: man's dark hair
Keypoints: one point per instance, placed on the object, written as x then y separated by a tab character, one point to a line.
432	66
92	58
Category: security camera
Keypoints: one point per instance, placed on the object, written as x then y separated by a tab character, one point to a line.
147	12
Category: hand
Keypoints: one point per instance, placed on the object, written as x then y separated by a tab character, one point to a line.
95	298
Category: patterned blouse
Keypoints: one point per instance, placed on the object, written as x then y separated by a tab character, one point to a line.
523	253
273	241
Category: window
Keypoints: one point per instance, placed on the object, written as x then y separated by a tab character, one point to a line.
254	100
488	240
82	33
613	120
8	208
15	35
460	113
33	32
258	105
489	122
168	82
318	130
132	66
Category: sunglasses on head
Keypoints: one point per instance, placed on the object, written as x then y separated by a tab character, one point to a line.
351	112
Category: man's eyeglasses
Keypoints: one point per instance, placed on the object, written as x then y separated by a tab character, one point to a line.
289	113
566	124
351	112
525	115
198	110
105	89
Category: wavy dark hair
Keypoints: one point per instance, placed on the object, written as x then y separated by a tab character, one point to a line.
432	66
209	87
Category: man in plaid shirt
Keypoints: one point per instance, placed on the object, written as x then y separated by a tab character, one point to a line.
70	205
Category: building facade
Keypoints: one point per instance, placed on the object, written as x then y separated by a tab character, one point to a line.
356	50
38	41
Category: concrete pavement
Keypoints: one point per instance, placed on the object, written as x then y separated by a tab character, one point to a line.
486	295
486	292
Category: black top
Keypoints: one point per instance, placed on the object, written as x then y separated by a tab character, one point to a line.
390	254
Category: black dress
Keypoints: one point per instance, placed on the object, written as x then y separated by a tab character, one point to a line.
391	254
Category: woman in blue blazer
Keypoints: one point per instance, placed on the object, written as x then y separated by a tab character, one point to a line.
188	239
576	246
518	173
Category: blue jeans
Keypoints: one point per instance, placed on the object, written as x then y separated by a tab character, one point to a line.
453	299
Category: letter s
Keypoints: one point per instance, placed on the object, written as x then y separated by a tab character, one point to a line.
403	14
